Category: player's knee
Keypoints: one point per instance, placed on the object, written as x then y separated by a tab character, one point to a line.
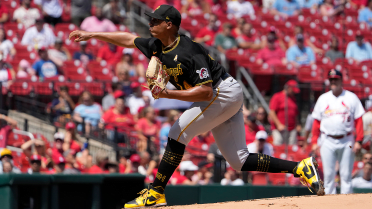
236	165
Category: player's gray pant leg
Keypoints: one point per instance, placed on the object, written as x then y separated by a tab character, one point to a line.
328	155
223	112
346	160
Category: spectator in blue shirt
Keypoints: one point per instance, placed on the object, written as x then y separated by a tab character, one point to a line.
173	116
308	3
87	111
286	8
358	49
44	67
365	15
300	54
83	55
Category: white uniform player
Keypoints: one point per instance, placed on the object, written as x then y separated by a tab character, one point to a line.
336	113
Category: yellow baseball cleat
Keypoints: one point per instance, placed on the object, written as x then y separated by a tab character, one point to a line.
148	198
307	170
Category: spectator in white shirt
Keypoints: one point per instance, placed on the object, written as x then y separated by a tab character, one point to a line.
260	145
232	178
39	35
6	46
25	14
240	8
365	181
51	10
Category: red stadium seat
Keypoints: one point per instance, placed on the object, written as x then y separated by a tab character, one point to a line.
310	74
285	69
74	89
277	178
43	88
259	178
20	88
97	89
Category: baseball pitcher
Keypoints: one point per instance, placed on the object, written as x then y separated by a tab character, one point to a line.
217	106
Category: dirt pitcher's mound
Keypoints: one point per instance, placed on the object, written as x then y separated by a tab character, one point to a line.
351	201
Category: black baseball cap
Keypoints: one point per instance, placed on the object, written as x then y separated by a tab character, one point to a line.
334	74
166	13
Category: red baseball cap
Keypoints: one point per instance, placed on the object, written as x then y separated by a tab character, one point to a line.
294	85
35	157
70	125
135	158
118	94
135	85
58	159
272	29
358	33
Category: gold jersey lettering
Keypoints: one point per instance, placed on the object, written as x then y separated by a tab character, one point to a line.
175	72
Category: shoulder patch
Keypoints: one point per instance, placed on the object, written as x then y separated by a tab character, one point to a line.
203	73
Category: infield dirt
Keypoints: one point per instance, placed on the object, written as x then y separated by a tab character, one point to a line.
351	201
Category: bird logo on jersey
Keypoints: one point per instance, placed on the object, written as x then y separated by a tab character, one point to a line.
203	73
343	111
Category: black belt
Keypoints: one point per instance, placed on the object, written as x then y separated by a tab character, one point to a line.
225	76
339	136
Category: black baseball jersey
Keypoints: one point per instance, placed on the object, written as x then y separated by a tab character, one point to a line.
188	63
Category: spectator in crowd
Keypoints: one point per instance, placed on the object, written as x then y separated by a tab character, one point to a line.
260	145
35	164
7	74
366	159
126	63
62	106
7	167
300	54
247	40
358	49
238	30
262	120
214	153
7	124
136	100
25	14
101	161
364	181
40	149
44	67
87	111
112	167
144	162
224	41
4	14
24	69
329	9
196	7
334	53
70	162
135	160
187	171
365	15
148	130
80	9
251	128
239	8
218	7
117	117
125	82
39	35
207	34
124	166
7	158
110	53
293	41
281	103
59	165
308	127
114	11
70	142
6	46
232	178
57	150
367	125
175	3
83	55
173	116
109	100
98	23
51	10
286	8
202	141
272	54
59	54
308	4
204	174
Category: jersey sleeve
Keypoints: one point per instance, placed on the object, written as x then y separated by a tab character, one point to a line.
317	112
200	73
144	45
359	109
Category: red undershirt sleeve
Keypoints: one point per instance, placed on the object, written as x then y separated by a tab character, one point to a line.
315	131
359	129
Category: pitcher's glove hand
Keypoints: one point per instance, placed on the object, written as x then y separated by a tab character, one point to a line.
157	78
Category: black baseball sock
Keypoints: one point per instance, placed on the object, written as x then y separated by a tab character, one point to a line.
171	159
266	163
